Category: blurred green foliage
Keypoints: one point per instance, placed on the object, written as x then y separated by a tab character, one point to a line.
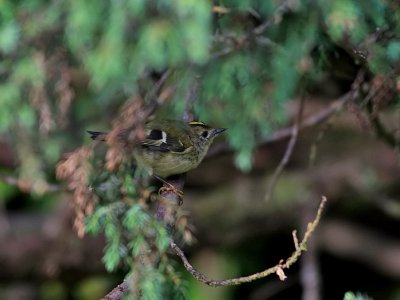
6	192
133	237
117	45
69	65
355	296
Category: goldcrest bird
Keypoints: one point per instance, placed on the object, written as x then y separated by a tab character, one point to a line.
170	147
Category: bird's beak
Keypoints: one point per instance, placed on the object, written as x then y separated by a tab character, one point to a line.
217	131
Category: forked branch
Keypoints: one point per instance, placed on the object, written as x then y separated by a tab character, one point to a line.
278	269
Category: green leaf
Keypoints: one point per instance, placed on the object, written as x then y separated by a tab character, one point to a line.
154	45
137	7
28	70
162	237
112	256
244	160
111	231
138	245
135	218
393	51
7	192
83	22
9	37
357	296
195	17
342	18
26	116
152	285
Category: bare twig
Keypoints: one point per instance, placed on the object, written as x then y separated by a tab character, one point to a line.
277	269
314	146
118	292
121	290
353	94
151	95
282	8
321	116
281	134
309	268
295	240
26	186
382	133
288	152
220	9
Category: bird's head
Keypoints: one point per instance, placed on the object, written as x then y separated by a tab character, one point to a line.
203	132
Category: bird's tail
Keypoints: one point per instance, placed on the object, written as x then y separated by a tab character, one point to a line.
97	135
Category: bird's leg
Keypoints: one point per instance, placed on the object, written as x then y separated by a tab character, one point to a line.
169	188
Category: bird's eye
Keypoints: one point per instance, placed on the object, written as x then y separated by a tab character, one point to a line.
204	134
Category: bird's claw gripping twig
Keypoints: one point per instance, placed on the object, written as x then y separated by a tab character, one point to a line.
171	188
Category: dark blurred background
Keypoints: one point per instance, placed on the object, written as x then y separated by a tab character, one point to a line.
256	67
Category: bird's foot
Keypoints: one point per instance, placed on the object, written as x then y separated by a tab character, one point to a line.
171	188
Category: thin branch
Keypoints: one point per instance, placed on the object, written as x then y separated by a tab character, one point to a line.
309	269
220	9
382	133
151	95
315	145
27	186
122	289
170	198
288	152
282	9
310	229
295	239
277	269
353	94
118	292
312	120
281	134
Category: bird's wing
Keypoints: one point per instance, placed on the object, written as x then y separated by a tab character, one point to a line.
159	140
156	138
97	135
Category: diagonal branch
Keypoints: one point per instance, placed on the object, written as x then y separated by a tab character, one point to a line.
288	152
122	289
26	186
283	8
277	269
118	292
284	133
315	119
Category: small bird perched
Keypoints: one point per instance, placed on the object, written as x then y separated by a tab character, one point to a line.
170	147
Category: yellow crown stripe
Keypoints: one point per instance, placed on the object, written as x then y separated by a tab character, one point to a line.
197	123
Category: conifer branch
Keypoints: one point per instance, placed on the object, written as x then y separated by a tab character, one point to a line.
238	43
